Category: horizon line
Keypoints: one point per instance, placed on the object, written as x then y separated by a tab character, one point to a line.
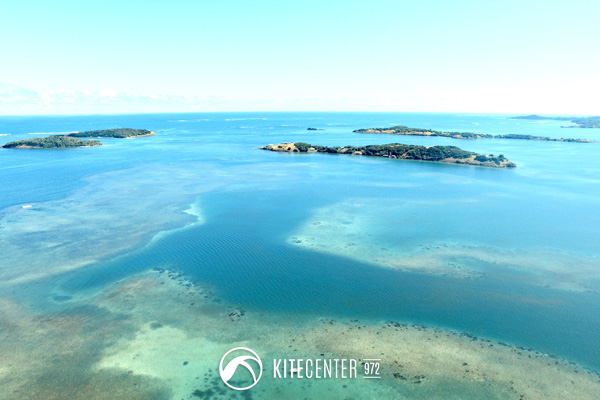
292	111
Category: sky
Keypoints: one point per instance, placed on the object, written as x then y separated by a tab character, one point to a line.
88	57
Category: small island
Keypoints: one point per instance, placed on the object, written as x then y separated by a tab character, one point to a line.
442	154
404	130
580	122
120	133
72	139
51	142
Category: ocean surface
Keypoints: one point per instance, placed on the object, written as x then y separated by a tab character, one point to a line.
507	255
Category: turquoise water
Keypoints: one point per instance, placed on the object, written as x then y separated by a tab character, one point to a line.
531	234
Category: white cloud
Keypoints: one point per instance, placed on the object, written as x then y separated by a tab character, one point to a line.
16	100
108	92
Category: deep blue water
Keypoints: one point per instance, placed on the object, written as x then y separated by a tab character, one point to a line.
549	203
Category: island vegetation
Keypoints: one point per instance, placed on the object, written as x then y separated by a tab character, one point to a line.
404	130
51	142
443	154
72	139
580	122
121	133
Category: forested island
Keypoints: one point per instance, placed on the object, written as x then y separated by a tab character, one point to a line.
580	122
443	154
120	133
71	140
404	130
51	142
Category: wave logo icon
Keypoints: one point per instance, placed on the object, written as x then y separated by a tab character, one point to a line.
230	369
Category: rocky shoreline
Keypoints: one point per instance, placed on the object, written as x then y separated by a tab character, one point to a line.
440	154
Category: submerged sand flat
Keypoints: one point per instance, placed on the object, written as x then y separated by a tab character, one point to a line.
106	217
157	335
352	229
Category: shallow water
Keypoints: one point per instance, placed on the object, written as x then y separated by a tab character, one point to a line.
508	255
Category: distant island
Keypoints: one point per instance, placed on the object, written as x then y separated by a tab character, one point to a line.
121	133
580	122
71	140
51	142
404	130
443	154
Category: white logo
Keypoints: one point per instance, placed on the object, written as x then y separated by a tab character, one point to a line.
229	370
